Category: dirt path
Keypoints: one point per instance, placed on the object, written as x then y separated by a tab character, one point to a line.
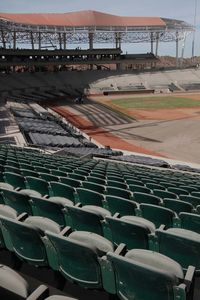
101	135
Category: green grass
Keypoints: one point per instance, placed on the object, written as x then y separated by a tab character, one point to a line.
155	102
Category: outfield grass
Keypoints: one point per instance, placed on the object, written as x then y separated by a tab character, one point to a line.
155	102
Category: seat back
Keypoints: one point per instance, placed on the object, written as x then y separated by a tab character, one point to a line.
88	197
158	215
15	180
138	188
134	235
85	220
122	206
118	184
39	185
70	181
191	199
178	191
94	187
17	201
190	221
146	198
114	191
177	205
49	209
62	190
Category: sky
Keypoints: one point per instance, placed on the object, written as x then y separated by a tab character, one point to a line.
175	9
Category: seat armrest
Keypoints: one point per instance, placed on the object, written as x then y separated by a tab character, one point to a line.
121	249
176	222
116	215
66	231
22	217
162	227
17	189
189	277
40	293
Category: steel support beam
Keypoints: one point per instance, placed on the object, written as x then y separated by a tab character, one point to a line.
39	40
151	42
177	49
91	40
157	43
64	41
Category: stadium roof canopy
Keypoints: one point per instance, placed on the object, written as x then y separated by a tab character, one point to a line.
75	27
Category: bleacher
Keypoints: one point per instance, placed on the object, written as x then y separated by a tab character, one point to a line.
100	224
193	86
76	82
40	128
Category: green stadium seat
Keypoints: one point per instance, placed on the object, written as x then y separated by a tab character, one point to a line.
134	182
145	275
153	186
114	191
38	184
181	245
190	221
120	205
88	218
164	194
70	181
16	180
41	169
26	172
138	188
88	197
117	184
25	239
157	214
94	187
77	176
18	201
84	269
195	201
11	169
62	190
48	177
178	205
131	230
54	208
146	198
178	191
96	180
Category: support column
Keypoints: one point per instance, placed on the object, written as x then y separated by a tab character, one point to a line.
60	40
118	40
32	40
151	42
157	43
91	40
39	40
3	39
14	40
91	44
183	48
64	41
177	49
118	45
